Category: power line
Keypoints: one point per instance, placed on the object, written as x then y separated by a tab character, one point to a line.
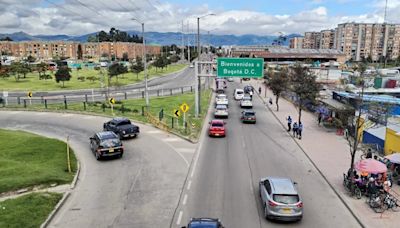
87	7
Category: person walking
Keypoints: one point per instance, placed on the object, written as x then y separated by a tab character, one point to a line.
299	129
295	128
259	90
289	123
270	101
319	118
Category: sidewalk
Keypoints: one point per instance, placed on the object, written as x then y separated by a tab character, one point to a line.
331	155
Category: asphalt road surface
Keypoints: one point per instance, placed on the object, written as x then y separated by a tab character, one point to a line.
140	190
224	181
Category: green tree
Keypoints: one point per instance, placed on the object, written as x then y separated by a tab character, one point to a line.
41	69
63	74
16	70
30	59
79	51
116	69
137	67
174	58
304	85
125	56
278	82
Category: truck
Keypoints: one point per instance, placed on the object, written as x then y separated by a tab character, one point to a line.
121	126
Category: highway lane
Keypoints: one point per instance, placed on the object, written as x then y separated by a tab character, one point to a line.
140	190
225	181
184	78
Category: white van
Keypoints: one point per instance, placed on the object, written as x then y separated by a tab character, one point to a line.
238	94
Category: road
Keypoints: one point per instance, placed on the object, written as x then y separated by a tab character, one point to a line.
224	180
140	190
157	86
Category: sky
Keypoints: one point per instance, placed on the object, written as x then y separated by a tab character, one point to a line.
238	17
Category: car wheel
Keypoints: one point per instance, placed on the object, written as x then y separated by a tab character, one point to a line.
97	155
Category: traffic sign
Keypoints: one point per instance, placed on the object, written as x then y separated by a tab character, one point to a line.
112	100
177	113
240	67
29	94
184	107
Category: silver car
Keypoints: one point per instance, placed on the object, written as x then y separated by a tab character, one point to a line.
280	199
221	111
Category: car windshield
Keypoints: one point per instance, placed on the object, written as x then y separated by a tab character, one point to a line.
217	124
125	122
204	224
286	199
107	143
239	92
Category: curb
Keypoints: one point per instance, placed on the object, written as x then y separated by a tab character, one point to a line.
315	166
55	210
78	171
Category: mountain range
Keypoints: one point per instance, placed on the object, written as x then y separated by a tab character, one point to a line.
166	38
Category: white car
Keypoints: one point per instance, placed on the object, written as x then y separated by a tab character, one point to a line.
221	111
246	103
230	79
221	99
238	94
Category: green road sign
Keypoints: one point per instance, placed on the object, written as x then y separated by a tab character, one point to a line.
240	67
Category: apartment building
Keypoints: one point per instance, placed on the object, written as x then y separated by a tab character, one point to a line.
327	39
296	42
50	50
312	40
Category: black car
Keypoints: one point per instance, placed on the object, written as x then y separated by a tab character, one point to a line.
204	223
248	116
106	144
248	89
122	127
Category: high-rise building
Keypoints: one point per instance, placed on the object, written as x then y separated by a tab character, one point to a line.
312	40
327	39
296	42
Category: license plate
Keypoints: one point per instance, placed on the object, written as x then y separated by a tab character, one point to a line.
286	210
216	134
111	150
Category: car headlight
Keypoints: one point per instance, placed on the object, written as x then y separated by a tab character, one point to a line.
123	132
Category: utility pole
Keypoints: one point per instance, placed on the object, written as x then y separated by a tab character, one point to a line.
188	38
197	66
145	69
183	45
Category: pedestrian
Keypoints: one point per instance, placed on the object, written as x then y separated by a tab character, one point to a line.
289	123
259	90
270	101
319	118
251	95
295	128
299	129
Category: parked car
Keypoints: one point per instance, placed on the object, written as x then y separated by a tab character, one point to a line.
238	94
217	128
248	116
221	99
122	127
204	223
246	102
230	79
280	199
221	111
106	144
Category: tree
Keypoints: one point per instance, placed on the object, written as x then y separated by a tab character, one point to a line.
41	69
125	56
63	74
79	51
174	58
398	60
369	59
278	84
30	59
16	69
116	69
137	67
304	85
159	62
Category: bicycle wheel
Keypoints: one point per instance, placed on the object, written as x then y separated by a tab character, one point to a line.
379	209
357	193
395	206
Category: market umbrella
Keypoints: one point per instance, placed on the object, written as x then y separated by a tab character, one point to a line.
394	158
370	166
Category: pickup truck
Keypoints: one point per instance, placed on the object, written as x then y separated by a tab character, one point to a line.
122	127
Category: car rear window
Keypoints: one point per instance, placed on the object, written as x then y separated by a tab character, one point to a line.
107	143
239	92
204	225
249	114
217	124
286	199
125	122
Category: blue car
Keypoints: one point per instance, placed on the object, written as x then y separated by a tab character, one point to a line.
204	223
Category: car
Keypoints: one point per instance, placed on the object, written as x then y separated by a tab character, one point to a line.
248	89
204	223
280	199
246	79
246	102
191	65
122	127
217	128
238	94
230	79
221	111
106	144
248	116
221	99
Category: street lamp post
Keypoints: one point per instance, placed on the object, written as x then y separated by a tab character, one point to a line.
146	92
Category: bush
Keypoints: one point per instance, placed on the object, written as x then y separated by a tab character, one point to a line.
81	78
45	77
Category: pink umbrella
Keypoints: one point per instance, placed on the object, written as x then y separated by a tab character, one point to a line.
394	158
370	166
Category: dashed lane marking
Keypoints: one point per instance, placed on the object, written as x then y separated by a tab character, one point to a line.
185	150
171	140
154	132
178	222
184	199
189	185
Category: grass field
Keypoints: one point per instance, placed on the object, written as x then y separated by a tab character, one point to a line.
133	109
28	211
27	159
32	82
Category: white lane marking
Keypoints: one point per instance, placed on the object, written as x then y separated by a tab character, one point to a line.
189	185
185	150
178	222
40	113
184	199
67	115
88	117
171	139
243	143
154	132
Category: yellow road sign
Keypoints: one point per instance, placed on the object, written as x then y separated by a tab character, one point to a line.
177	113
29	94
184	107
112	100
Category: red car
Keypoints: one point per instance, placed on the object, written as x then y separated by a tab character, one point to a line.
217	128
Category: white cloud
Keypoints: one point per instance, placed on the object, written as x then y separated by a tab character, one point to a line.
73	18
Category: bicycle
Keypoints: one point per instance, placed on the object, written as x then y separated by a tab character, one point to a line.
375	201
390	202
351	187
